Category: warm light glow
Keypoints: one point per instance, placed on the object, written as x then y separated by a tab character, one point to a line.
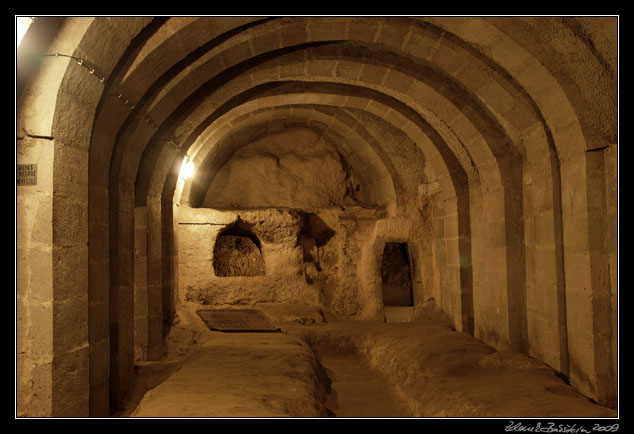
189	170
22	24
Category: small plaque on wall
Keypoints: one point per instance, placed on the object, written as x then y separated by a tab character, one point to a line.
27	174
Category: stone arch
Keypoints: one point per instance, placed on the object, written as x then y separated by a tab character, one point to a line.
76	74
421	138
575	224
325	125
520	308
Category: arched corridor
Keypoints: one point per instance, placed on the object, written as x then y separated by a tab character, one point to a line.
168	163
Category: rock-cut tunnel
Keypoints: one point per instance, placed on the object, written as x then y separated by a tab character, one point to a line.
424	208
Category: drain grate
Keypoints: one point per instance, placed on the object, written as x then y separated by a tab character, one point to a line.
236	320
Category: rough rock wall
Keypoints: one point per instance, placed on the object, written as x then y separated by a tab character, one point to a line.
319	242
412	224
329	257
277	231
295	169
308	259
236	255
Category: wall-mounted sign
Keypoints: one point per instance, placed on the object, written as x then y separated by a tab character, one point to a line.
27	174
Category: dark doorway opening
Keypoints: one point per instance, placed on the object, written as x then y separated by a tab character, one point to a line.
396	277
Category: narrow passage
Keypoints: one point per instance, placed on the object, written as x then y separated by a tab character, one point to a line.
358	390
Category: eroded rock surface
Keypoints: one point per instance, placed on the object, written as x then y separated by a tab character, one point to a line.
297	168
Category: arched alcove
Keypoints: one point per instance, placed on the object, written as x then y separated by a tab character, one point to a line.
238	252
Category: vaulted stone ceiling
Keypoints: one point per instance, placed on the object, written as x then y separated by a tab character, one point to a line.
497	117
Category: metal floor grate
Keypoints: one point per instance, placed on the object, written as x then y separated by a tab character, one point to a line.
236	320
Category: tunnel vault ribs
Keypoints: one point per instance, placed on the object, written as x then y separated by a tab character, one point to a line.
489	142
236	320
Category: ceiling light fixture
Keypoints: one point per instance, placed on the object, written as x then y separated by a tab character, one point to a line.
189	169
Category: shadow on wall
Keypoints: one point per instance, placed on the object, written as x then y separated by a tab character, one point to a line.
315	233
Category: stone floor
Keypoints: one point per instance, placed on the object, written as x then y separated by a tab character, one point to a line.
363	369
